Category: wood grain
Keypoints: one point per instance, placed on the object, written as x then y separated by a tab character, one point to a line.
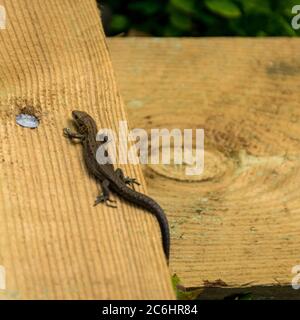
240	221
53	243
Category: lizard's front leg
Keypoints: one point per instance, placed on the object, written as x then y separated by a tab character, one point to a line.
104	197
73	135
131	181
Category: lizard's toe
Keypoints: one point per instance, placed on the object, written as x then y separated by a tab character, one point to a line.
110	205
131	181
66	132
99	199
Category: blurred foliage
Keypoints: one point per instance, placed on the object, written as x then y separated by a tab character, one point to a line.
181	292
200	17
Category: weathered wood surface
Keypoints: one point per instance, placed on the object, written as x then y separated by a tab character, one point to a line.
240	221
53	243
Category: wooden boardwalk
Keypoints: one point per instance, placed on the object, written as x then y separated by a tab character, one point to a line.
234	228
237	225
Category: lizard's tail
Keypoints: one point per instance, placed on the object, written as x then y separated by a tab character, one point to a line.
149	204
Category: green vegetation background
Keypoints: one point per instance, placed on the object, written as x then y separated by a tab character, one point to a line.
200	17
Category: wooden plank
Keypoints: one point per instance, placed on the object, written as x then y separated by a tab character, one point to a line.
240	221
53	243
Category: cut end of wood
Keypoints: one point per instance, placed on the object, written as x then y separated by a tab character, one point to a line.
238	223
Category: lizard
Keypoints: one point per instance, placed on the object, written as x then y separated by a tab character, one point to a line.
111	179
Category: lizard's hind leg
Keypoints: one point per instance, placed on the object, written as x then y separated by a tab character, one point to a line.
131	181
104	197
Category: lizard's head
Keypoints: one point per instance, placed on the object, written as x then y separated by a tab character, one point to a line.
82	120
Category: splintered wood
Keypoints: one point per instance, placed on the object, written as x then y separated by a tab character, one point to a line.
53	243
238	224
